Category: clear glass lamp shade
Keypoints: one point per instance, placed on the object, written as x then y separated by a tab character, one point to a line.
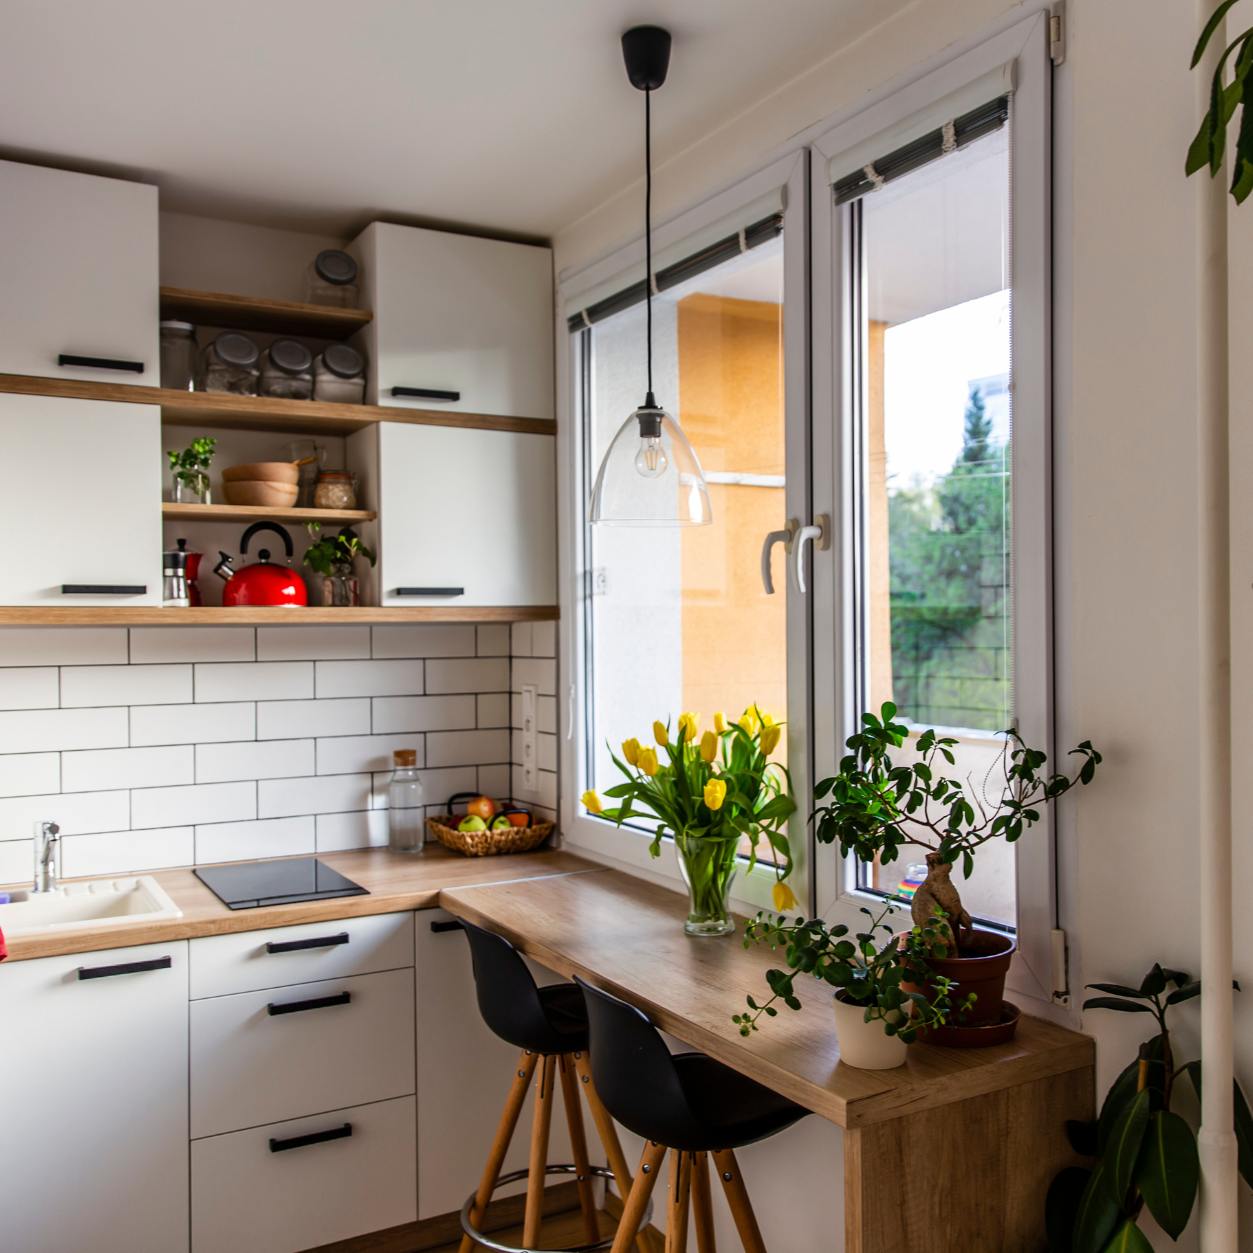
650	480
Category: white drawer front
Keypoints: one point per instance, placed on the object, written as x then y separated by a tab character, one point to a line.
222	964
247	1197
346	1042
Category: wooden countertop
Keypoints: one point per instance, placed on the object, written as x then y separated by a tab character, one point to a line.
395	881
626	935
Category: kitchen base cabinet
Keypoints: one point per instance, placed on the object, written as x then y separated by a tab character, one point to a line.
94	1101
303	1183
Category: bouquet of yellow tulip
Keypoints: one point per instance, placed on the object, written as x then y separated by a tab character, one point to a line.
713	790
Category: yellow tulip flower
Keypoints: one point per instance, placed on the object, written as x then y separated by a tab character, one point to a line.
720	722
687	727
770	738
784	897
591	803
749	721
631	751
709	746
715	793
660	734
648	761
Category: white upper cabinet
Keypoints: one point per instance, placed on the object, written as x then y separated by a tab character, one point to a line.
464	324
78	273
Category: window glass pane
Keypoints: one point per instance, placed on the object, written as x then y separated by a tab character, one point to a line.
936	430
677	617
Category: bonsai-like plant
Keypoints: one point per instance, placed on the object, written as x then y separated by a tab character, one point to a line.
1144	1153
881	974
877	804
191	466
335	554
1209	147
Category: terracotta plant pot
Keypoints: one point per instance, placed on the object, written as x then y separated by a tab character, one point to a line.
865	1044
981	968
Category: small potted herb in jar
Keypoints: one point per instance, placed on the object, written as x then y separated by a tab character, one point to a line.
190	469
334	558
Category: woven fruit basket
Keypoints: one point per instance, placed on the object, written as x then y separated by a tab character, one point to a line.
488	843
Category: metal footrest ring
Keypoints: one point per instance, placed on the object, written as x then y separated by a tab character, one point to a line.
564	1168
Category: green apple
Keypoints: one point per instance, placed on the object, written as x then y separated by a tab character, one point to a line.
472	822
501	823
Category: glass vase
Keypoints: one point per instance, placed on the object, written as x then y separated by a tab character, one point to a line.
708	866
341	588
191	488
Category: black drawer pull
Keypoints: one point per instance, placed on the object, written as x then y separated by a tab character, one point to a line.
125	968
101	363
299	1007
429	591
426	393
314	1137
451	925
104	589
314	941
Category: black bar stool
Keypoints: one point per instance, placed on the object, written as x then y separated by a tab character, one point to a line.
686	1103
550	1026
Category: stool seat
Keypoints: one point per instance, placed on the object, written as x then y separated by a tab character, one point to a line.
732	1109
566	1012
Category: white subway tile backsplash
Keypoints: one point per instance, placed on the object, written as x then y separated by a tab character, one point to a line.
427	640
124	685
493	709
196	643
495	781
291	719
253	759
545	712
317	794
467	748
482	674
47	730
197	803
101	768
123	852
543	639
353	830
521	635
546	752
62	646
437	785
493	639
191	724
423	713
17	861
312	643
348	754
260	680
29	687
267	837
28	774
79	813
539	671
368	678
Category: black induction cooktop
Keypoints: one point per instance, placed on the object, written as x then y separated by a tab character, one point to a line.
252	884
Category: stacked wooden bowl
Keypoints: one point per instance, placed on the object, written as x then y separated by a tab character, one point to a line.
264	484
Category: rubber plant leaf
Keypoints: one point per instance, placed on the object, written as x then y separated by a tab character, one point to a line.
1129	1239
1123	1150
1168	1171
1061	1207
1097	1217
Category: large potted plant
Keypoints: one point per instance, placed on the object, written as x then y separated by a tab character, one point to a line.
890	793
715	791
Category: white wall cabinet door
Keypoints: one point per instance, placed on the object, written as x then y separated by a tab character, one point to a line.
94	1093
468	517
78	273
468	322
84	487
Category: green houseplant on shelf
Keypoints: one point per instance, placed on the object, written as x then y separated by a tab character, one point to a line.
714	791
190	469
334	558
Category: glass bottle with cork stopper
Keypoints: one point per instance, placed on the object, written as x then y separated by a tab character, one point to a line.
406	832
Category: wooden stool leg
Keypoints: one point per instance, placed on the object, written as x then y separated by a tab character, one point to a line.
500	1145
636	1201
578	1148
702	1204
680	1190
737	1197
533	1216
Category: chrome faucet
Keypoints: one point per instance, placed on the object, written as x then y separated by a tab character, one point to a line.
47	856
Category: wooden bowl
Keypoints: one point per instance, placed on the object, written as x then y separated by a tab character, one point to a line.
263	472
263	494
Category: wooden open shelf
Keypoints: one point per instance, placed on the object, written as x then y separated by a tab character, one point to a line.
251	313
152	615
262	413
256	513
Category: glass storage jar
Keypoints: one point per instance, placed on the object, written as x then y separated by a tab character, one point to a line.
178	355
332	280
405	829
230	364
339	375
287	370
336	489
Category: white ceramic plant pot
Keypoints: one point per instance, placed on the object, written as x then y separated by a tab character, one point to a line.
865	1044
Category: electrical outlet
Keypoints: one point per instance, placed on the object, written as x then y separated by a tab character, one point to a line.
600	581
530	738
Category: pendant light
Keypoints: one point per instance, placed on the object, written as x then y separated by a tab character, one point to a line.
650	475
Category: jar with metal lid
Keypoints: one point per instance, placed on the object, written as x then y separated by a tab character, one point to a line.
336	489
287	370
178	355
332	280
231	363
339	375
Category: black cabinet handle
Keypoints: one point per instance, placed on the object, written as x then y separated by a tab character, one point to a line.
299	1007
125	968
314	1137
101	363
314	941
104	589
429	591
451	925
426	393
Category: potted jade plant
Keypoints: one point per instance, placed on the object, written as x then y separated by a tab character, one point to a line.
713	792
190	469
891	791
885	991
334	558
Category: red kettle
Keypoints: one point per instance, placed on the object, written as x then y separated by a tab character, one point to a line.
264	582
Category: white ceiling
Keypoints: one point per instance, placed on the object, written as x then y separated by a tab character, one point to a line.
506	115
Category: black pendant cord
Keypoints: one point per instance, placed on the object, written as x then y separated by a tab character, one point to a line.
648	235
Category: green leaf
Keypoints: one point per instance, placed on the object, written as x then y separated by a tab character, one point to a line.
1154	983
1110	1002
1244	1136
1129	1239
1061	1207
1185	993
1118	989
1168	1171
1123	1149
1097	1216
1207	34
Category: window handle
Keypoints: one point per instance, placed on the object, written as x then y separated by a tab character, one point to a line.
783	537
820	533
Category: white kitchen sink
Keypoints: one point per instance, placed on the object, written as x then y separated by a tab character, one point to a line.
97	903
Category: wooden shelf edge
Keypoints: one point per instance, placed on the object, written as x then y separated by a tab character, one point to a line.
255	313
256	513
314	615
